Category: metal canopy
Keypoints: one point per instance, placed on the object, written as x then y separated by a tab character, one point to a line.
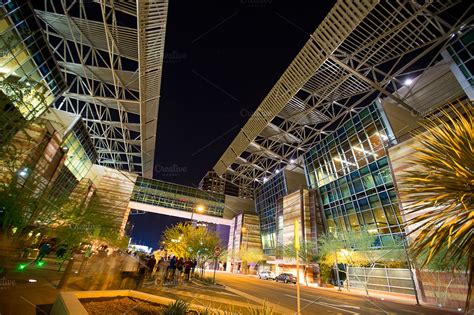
111	53
360	51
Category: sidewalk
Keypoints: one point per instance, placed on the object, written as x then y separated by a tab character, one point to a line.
29	291
381	296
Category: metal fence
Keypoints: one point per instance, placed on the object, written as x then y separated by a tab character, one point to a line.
381	279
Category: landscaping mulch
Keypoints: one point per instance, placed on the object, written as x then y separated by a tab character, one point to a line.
121	305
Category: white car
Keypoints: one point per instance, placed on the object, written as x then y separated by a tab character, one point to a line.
265	275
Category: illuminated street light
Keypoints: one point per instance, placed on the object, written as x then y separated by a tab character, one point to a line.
23	172
408	82
199	208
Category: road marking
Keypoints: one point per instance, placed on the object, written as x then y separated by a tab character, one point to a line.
329	305
277	307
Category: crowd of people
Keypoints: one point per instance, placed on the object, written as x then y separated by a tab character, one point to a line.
127	270
135	268
173	270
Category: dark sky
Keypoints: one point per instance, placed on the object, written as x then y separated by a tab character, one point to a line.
221	59
149	227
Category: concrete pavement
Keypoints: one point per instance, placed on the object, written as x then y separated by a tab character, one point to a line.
319	301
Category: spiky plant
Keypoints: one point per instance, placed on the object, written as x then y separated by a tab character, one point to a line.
265	309
439	190
178	307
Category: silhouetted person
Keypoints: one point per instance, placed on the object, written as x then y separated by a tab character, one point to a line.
61	251
43	251
193	267
141	275
151	265
172	268
187	268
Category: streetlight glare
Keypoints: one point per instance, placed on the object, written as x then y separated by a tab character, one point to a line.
23	172
200	208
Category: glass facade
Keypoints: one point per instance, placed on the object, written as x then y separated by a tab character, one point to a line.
29	74
462	52
174	196
81	152
267	202
350	170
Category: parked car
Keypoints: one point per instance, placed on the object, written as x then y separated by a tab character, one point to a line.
286	277
265	275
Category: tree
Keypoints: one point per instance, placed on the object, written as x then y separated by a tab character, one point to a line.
188	241
305	255
252	255
439	190
357	248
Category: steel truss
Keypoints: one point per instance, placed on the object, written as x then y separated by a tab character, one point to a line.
113	73
359	52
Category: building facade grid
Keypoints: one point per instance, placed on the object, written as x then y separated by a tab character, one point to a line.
462	52
179	197
351	171
267	199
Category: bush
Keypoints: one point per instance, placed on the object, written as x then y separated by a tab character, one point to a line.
179	307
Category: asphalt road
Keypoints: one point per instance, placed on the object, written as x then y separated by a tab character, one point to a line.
318	301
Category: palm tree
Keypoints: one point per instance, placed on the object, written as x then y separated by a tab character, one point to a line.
440	189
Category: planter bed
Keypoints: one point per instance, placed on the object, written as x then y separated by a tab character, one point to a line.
120	305
112	302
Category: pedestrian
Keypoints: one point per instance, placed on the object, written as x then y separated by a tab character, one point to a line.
128	271
187	268
160	275
61	251
179	269
102	251
141	275
193	267
43	251
172	268
151	265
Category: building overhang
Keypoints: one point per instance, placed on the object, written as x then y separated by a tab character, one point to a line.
178	213
361	51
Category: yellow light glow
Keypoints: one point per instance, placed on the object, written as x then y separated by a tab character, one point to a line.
200	209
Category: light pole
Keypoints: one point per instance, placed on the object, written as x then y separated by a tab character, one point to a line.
199	209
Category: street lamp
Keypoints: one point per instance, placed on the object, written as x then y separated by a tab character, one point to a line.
23	172
199	209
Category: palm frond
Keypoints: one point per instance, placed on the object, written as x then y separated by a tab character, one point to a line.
439	191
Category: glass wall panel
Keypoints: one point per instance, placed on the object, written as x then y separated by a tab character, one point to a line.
352	170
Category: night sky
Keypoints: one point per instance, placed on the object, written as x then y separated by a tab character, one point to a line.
149	227
221	59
